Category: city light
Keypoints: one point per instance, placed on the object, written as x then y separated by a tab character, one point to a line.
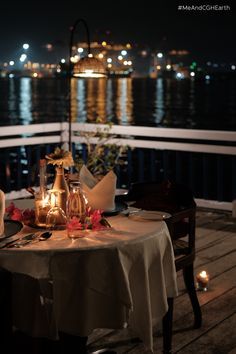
80	50
11	62
123	52
192	73
23	57
109	60
25	46
233	67
63	61
104	44
120	57
168	67
159	55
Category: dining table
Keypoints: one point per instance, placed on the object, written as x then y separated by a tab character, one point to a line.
112	278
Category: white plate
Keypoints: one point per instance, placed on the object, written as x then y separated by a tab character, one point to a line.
150	215
11	227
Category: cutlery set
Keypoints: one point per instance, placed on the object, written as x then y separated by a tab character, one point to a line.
27	239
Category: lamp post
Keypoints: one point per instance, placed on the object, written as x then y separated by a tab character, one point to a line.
86	67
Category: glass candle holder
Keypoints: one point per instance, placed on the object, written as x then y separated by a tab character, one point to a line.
202	281
42	206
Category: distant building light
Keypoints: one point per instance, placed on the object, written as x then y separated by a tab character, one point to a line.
109	60
100	55
125	62
72	59
233	67
144	53
123	52
104	44
11	76
58	70
11	62
90	55
35	74
120	57
179	76
209	63
109	65
80	50
129	62
192	74
207	77
49	46
160	55
23	58
158	67
63	61
168	67
128	45
25	46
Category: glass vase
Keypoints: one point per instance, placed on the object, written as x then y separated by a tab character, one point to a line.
76	211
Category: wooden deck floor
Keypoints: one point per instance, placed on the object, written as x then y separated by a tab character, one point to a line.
215	245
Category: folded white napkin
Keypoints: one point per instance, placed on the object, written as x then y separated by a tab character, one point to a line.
2	211
100	194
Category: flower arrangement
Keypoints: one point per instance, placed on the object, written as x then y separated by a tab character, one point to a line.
60	157
102	154
94	220
27	216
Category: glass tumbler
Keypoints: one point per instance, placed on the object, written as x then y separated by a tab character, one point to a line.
56	217
76	211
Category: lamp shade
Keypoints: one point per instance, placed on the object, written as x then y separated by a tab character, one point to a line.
89	67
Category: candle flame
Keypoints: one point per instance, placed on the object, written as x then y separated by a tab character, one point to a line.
203	274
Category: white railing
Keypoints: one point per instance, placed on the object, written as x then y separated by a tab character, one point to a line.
126	137
201	141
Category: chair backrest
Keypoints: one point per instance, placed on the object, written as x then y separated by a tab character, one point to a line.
171	197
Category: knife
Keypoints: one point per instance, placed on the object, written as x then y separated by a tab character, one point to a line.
28	237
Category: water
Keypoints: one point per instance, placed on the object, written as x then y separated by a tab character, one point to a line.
193	104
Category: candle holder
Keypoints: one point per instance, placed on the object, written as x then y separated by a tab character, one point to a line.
202	281
42	206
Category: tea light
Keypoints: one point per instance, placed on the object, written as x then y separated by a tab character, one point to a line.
42	207
202	281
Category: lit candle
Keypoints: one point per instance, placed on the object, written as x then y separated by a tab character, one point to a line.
42	207
202	280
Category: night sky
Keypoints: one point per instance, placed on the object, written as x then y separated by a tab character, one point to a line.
208	35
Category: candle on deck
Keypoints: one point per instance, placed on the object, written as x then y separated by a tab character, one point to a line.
202	281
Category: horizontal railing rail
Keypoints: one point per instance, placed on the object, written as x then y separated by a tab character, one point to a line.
153	152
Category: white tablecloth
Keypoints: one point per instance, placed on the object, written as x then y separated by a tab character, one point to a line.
109	278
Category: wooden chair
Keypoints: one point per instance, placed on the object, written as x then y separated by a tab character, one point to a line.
177	200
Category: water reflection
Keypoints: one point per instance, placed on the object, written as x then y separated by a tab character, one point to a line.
124	101
148	102
25	106
109	100
81	91
159	104
12	101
